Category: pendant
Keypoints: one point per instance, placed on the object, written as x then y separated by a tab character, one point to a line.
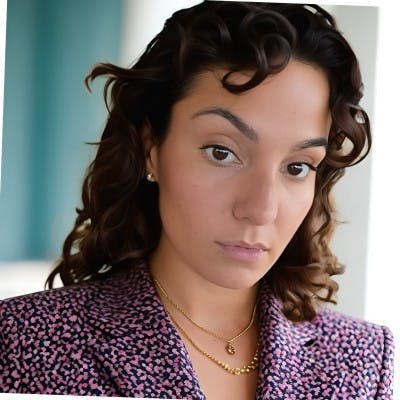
229	348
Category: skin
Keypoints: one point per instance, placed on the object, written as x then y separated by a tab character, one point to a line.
257	187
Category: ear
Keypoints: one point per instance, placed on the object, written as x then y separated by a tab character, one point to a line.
150	150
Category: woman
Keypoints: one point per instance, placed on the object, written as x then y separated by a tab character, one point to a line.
199	261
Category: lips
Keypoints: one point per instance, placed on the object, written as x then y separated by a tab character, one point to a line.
242	251
255	246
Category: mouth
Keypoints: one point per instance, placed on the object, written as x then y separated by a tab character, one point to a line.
242	251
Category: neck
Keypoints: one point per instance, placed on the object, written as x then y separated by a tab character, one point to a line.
224	309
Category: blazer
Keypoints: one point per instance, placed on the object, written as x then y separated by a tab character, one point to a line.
113	338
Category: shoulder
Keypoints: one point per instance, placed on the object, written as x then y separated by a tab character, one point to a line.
344	330
65	332
67	306
76	295
335	325
353	340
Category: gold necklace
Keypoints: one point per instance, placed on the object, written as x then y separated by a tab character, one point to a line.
230	349
235	371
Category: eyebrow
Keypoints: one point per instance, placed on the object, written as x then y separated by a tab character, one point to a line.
250	133
317	142
235	120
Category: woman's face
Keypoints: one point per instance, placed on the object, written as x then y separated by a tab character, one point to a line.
236	172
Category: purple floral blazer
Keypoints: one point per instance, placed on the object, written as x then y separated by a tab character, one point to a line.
113	338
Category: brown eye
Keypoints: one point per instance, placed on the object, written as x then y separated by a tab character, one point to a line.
299	170
220	154
295	169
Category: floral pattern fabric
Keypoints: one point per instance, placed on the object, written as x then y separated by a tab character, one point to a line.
113	338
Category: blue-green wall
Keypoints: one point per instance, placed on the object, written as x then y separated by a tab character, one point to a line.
48	115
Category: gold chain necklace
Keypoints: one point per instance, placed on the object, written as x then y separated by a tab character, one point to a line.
235	371
230	349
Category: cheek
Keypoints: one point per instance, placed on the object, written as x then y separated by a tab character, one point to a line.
188	184
297	205
188	202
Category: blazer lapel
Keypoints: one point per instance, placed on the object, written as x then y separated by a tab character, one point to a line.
136	345
294	361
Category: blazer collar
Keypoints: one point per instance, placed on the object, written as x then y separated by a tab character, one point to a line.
295	359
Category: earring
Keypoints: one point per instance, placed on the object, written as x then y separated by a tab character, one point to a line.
150	177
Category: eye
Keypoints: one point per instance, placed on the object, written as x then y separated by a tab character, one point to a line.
300	170
220	154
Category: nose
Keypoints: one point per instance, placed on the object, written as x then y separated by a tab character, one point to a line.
257	199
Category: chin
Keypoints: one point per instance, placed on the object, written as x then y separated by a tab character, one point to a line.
239	280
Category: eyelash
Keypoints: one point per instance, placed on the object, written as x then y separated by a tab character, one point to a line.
226	150
222	149
309	166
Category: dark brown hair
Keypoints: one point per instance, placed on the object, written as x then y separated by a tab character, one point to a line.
119	222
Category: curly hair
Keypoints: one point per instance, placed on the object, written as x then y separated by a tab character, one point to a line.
119	222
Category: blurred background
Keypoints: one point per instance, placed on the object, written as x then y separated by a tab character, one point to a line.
49	115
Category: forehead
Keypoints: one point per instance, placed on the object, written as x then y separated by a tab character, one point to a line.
297	97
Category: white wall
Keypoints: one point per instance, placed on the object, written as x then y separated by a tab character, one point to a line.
353	191
142	20
23	277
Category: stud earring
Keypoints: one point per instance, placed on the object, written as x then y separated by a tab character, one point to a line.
150	177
